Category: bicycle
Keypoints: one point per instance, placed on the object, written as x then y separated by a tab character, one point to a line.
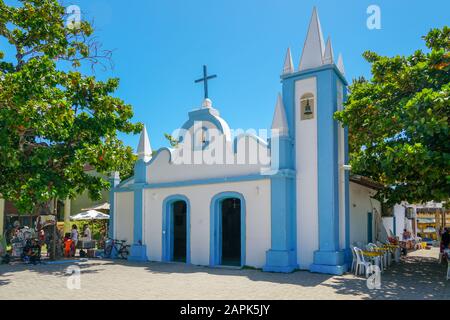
121	249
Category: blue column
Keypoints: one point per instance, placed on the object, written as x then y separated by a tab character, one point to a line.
282	256
348	250
329	259
114	181
138	250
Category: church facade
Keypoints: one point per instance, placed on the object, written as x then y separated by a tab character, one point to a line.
280	203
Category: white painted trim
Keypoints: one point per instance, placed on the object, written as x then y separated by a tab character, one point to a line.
307	176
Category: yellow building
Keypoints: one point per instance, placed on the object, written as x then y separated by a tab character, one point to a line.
430	221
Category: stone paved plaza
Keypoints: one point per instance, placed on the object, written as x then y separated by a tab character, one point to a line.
419	276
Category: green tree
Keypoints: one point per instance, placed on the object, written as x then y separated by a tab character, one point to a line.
399	122
172	141
53	119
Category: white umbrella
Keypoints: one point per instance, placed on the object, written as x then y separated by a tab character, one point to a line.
90	215
429	230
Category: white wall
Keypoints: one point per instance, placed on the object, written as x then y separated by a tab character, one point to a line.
399	212
307	177
258	232
124	216
162	170
388	223
360	205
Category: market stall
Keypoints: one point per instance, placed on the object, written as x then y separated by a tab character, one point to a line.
89	216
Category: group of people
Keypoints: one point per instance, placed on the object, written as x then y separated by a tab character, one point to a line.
25	242
71	239
32	252
32	249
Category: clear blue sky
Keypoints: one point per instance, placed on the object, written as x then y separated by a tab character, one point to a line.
160	47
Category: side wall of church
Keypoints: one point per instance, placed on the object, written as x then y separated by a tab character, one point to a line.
124	216
257	212
360	206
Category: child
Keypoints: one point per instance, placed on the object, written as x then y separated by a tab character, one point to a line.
68	245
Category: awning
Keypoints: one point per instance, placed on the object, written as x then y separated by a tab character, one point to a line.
100	207
90	215
426	220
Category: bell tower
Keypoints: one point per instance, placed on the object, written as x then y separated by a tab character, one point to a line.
311	96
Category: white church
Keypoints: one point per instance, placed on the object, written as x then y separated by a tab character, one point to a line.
296	207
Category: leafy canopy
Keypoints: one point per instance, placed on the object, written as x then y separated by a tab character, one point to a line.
399	123
53	119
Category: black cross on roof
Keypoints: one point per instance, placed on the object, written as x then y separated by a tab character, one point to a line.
205	80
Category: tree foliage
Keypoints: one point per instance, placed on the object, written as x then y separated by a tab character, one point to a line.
54	120
173	142
399	122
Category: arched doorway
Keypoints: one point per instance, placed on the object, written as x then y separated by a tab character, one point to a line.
231	232
179	231
228	230
176	230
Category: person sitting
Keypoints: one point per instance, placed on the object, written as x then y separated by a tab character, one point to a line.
26	252
35	252
31	252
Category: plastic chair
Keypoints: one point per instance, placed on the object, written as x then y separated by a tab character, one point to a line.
397	254
359	244
361	263
387	254
354	259
378	260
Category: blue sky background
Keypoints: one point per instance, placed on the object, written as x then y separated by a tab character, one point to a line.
160	47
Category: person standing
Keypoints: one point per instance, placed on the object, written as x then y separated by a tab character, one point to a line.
445	239
406	235
87	234
74	235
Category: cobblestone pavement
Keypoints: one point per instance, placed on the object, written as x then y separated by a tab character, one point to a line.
419	276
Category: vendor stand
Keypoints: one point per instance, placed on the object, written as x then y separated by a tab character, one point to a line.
90	215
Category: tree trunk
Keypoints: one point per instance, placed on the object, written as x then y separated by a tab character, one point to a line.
55	213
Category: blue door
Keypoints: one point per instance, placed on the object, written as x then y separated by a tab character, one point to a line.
369	227
395	226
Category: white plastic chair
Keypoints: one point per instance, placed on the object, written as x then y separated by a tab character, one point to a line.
359	244
379	260
361	264
387	254
354	259
397	254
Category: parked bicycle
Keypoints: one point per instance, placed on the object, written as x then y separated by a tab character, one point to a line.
116	248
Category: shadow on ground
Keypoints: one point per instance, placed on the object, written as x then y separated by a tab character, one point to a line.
7	272
300	278
415	278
